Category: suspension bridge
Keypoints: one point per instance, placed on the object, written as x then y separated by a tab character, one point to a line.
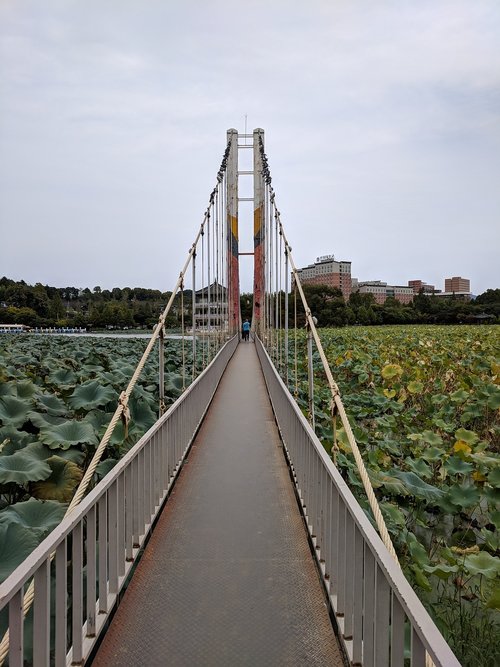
226	535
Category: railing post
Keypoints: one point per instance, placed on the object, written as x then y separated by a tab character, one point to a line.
286	317
193	308
310	373
161	371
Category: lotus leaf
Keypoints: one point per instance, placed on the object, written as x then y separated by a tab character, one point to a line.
493	601
63	378
415	387
13	410
470	437
419	467
64	478
393	514
16	437
459	396
41	516
90	395
390	483
53	405
463	496
67	434
16	544
142	415
494	477
391	371
483	563
441	570
21	468
43	419
105	466
25	389
417	487
457	466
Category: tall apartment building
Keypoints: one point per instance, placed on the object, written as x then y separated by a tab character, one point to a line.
326	270
419	285
456	284
381	291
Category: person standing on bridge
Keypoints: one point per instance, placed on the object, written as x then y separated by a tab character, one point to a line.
246	329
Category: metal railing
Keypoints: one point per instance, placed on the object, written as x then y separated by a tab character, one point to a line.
373	602
96	546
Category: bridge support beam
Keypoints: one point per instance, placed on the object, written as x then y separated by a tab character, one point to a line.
233	278
258	232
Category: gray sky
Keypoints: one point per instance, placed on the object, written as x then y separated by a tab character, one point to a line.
382	122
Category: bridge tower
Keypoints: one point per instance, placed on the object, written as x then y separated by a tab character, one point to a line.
258	230
233	277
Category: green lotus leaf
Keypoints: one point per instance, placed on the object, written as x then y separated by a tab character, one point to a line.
391	371
21	468
417	487
64	478
13	410
105	466
91	395
43	419
393	514
493	602
432	454
463	496
63	378
459	396
431	438
415	387
493	393
16	544
483	563
142	415
419	467
17	438
38	451
67	434
470	437
7	389
494	477
53	405
441	570
457	466
440	423
42	516
25	389
390	483
74	454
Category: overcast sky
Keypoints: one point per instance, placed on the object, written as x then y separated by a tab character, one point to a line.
381	119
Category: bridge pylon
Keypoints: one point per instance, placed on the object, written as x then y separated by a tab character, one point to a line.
258	231
233	277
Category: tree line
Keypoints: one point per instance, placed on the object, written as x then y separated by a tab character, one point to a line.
44	306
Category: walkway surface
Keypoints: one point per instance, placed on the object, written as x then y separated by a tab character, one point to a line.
227	577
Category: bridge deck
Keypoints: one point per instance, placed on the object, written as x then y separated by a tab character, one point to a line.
227	577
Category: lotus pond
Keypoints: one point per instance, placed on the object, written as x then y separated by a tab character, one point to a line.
424	403
57	396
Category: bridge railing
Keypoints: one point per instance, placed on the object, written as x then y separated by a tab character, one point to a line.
373	602
97	545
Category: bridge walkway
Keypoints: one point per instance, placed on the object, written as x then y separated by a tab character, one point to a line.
228	577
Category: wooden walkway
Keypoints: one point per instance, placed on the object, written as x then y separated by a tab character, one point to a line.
228	577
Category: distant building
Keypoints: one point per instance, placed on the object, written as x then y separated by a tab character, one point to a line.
326	270
456	284
381	291
419	286
211	307
463	296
